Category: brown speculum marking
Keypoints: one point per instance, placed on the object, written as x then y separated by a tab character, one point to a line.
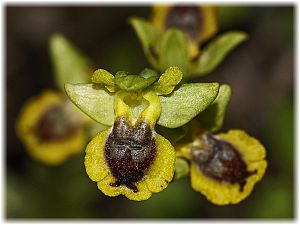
54	125
186	18
221	160
129	151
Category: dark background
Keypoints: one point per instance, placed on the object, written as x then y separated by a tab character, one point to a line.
260	72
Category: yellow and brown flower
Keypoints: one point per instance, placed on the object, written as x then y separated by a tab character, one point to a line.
199	23
226	166
51	127
130	158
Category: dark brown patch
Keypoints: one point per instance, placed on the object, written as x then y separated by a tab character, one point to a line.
54	125
186	18
129	151
221	161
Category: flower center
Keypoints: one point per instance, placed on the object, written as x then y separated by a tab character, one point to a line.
54	125
187	19
129	151
221	161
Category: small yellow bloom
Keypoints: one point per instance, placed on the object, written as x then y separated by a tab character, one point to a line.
51	127
131	158
198	23
225	167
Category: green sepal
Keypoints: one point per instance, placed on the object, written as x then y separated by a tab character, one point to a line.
128	82
182	168
70	64
168	81
185	103
213	117
148	36
173	51
216	51
93	100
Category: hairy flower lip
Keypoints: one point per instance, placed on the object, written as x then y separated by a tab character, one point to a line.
223	193
129	151
48	150
221	161
127	158
155	179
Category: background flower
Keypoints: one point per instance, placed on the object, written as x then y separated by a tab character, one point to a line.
51	128
199	23
242	180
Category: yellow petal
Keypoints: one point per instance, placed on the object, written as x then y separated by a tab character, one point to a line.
250	148
107	189
94	161
54	153
156	178
162	170
158	16
34	108
223	193
210	23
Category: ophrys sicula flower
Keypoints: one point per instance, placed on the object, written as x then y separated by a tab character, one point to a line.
226	166
130	158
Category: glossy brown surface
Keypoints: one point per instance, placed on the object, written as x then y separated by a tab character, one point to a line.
221	160
129	152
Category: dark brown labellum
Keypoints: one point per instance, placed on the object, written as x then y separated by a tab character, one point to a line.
129	152
186	18
54	125
221	161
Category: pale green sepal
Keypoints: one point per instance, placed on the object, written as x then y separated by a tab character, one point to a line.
213	117
185	103
216	51
128	82
70	65
182	168
173	51
167	81
93	100
148	36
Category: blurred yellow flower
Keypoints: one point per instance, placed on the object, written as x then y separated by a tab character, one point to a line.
225	167
199	23
131	158
51	127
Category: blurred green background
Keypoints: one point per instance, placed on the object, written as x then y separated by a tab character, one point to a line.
260	72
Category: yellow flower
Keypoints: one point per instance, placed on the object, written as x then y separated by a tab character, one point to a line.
225	167
131	158
50	126
198	23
